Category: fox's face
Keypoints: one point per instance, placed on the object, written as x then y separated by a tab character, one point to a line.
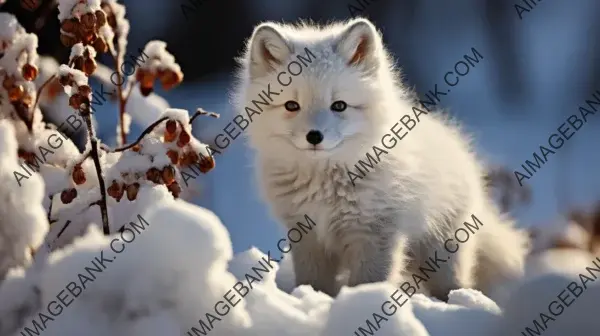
322	89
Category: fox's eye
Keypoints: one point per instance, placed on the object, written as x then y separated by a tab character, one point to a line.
339	106
292	106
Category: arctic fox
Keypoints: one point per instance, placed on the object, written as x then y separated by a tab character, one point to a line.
325	110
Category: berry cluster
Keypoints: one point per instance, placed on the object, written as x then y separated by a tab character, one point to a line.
165	176
183	154
84	30
16	91
80	100
168	79
85	63
20	96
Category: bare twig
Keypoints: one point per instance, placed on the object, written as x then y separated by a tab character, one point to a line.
43	86
200	111
39	92
50	209
63	229
144	133
129	92
95	157
150	128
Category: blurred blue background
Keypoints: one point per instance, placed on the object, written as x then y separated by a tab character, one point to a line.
536	70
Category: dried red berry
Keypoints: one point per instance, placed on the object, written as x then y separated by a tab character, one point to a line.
84	90
69	25
100	18
75	101
66	80
136	148
175	189
100	45
132	191
173	155
89	37
78	175
68	195
171	126
145	78
168	175
170	79
184	139
8	82
154	175
89	66
170	137
189	158
140	74
30	72
88	20
15	93
206	164
68	40
115	190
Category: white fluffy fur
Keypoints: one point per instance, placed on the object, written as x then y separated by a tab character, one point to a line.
425	188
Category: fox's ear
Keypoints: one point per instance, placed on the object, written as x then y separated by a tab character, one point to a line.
359	44
267	50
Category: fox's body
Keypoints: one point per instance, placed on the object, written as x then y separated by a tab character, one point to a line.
395	217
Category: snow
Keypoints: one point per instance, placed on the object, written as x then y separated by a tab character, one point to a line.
78	50
180	115
174	270
178	266
79	78
76	8
21	51
158	50
578	315
9	27
24	221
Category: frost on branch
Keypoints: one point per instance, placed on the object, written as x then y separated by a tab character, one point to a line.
153	162
23	222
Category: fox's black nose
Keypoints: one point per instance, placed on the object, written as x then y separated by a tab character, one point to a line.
314	137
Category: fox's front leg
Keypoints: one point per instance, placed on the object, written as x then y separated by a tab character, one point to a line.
315	267
375	257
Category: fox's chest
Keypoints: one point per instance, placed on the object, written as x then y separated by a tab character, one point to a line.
328	198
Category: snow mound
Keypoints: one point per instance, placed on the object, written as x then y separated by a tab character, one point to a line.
172	272
552	306
23	222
